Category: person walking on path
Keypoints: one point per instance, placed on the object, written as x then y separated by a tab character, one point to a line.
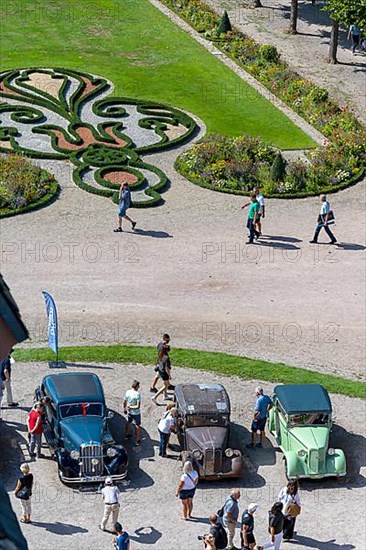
275	527
252	218
290	498
262	405
262	209
187	488
35	429
164	370
122	540
5	370
124	205
131	407
110	494
247	526
355	34
163	344
165	427
24	486
230	516
325	218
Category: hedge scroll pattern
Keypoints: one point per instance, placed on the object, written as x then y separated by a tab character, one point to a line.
66	114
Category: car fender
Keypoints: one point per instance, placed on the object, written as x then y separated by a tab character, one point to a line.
294	468
337	463
237	465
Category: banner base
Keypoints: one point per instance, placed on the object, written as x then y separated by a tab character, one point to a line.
57	364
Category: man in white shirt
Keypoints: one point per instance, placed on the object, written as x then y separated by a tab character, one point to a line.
262	207
131	407
325	218
110	495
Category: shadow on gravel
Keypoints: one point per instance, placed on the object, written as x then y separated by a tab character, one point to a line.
137	477
351	246
86	366
281	245
146	535
11	454
307	542
281	238
151	233
60	528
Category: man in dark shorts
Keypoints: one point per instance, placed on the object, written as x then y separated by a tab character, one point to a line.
247	526
163	345
124	205
261	408
164	371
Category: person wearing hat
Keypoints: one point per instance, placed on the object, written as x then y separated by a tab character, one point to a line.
247	526
122	540
110	494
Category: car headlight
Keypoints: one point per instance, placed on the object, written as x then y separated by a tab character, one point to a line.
301	453
197	454
75	455
331	451
111	452
95	461
229	453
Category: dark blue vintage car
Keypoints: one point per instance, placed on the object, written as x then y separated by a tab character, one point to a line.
76	429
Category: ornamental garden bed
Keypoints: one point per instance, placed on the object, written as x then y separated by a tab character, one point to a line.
24	186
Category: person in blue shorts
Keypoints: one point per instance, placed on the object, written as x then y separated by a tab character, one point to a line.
122	540
124	204
261	408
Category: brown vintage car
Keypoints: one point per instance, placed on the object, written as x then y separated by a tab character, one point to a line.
203	428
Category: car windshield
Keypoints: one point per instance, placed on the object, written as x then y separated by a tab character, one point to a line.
81	409
210	420
309	419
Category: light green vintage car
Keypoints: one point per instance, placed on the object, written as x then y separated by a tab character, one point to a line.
301	420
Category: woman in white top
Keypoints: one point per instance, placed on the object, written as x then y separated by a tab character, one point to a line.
289	495
165	427
186	489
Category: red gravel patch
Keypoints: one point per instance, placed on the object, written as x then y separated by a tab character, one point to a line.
118	176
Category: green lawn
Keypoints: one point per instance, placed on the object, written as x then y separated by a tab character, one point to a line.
146	56
221	363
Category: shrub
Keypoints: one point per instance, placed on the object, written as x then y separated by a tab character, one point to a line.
269	53
278	168
224	25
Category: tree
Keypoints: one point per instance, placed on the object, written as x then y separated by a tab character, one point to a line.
293	16
224	25
346	12
278	168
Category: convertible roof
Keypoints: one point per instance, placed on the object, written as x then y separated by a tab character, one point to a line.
306	398
202	398
74	387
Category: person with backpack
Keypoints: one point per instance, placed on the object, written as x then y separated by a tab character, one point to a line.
230	514
124	204
218	532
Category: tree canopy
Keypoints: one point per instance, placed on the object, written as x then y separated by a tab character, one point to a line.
348	12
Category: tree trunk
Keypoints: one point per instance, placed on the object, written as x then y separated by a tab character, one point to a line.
293	17
333	45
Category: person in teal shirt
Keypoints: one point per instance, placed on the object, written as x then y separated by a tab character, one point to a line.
253	214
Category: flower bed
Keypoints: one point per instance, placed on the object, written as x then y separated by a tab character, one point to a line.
23	186
236	165
334	166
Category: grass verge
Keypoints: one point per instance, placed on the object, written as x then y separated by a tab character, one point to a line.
219	363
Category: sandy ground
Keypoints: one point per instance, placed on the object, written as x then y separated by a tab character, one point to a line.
187	271
65	519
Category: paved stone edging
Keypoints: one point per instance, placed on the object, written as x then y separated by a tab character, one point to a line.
209	46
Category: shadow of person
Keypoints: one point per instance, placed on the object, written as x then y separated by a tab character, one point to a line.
150	233
351	246
146	535
308	542
59	528
281	238
86	366
275	244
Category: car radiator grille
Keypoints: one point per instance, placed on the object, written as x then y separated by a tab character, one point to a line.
314	460
212	461
89	454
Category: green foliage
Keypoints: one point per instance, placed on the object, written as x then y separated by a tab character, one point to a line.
23	185
269	53
348	12
224	25
278	168
219	363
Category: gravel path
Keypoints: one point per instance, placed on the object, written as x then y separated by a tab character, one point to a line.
66	519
